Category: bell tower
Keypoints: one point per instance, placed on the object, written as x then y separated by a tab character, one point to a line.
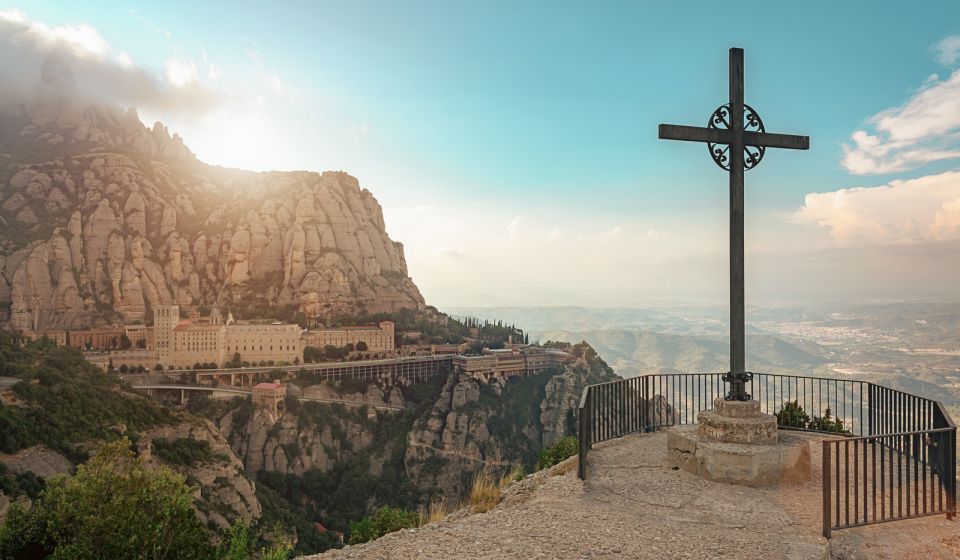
165	319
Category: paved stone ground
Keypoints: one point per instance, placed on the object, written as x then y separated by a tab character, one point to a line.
634	505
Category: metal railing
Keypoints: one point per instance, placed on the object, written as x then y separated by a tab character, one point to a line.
888	436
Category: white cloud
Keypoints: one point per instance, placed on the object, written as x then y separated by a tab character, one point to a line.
98	70
924	129
901	212
123	59
181	72
948	50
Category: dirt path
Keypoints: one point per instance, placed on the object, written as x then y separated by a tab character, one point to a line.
634	505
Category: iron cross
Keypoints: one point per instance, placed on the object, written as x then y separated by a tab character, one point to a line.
737	141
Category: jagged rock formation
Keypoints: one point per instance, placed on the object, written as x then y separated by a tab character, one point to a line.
224	494
103	218
308	437
437	441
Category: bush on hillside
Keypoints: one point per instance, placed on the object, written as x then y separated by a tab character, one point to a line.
386	520
563	449
186	452
65	400
112	508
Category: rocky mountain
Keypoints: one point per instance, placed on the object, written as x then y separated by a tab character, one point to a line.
102	218
409	443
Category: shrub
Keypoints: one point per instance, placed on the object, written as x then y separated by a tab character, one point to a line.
237	543
436	511
386	520
792	415
484	492
827	424
185	451
563	449
112	508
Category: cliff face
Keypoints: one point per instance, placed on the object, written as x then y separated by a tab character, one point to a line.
442	435
103	218
224	494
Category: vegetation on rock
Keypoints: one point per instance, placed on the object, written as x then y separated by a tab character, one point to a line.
63	401
563	449
185	451
112	508
385	520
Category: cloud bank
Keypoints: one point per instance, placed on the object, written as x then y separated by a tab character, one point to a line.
924	129
901	212
99	71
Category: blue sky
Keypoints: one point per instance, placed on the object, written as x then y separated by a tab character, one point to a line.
491	130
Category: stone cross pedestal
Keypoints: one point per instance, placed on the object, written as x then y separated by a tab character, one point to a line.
738	422
736	443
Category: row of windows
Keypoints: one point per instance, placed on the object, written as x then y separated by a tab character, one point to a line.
254	349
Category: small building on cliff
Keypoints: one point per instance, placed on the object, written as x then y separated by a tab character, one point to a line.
269	395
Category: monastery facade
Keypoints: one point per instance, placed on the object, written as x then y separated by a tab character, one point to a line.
378	339
181	343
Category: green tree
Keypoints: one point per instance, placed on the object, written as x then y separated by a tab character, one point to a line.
792	415
564	447
386	520
362	346
828	423
237	543
112	508
236	361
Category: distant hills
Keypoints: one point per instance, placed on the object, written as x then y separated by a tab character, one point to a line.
635	352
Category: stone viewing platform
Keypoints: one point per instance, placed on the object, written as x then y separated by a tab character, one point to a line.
634	504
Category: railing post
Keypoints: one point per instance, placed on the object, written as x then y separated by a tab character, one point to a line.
826	489
583	433
952	469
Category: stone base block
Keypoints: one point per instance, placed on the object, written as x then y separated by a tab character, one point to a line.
784	462
761	428
736	409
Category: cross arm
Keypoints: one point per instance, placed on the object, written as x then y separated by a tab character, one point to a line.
774	140
695	134
725	136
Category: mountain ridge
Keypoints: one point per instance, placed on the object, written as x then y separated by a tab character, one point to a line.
102	218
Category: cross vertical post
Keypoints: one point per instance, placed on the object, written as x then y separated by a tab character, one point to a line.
737	141
737	290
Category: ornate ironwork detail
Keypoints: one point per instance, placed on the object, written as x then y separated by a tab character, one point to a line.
742	378
720	119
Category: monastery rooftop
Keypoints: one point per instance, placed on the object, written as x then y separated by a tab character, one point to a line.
267	385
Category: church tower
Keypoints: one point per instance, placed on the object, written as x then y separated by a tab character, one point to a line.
165	319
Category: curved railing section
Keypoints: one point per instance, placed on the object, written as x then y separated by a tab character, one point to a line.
896	457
